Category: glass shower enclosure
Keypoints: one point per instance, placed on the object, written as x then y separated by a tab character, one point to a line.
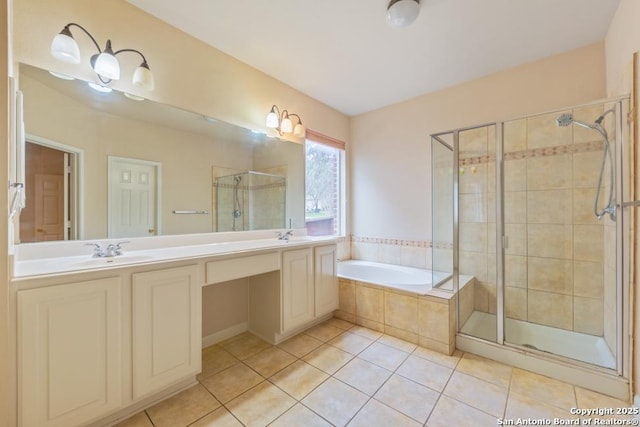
250	201
536	218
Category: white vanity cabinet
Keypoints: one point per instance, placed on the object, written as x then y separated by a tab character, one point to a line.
69	352
297	288
308	291
92	345
325	280
167	324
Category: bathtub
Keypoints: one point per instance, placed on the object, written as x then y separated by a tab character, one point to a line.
409	279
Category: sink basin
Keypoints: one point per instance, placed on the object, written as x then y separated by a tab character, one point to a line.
75	263
117	260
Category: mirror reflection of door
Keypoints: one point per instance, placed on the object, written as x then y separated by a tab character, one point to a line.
49	187
133	197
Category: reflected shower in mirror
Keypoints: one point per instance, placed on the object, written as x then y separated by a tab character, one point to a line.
250	201
102	165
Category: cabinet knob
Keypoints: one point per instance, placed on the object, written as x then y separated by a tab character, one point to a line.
152	230
39	230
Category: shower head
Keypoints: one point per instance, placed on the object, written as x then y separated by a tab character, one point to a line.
564	120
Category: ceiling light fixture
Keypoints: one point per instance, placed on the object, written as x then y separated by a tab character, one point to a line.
281	121
104	63
401	13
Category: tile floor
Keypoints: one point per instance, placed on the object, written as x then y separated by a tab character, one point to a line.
337	373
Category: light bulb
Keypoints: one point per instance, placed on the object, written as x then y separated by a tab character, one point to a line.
286	125
107	66
99	88
61	76
143	77
300	130
272	119
65	48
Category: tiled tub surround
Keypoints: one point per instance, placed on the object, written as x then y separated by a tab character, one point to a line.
428	319
554	263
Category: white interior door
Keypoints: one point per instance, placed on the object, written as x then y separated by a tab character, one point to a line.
133	197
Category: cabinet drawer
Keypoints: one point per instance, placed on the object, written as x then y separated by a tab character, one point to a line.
237	268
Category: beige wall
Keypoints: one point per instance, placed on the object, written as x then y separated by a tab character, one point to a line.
188	73
226	306
622	41
7	397
390	147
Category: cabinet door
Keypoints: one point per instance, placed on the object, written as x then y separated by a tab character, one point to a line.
167	323
297	288
326	281
69	350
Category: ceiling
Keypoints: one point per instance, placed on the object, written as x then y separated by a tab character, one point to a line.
343	53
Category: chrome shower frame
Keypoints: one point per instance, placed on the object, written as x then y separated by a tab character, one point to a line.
615	382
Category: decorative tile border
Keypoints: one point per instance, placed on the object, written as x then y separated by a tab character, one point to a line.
252	187
397	242
442	245
584	147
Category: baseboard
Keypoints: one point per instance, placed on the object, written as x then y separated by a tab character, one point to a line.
224	334
124	413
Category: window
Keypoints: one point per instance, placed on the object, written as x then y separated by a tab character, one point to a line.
324	185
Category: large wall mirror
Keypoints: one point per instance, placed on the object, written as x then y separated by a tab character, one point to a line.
110	165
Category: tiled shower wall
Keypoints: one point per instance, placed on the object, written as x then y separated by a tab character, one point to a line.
554	263
262	200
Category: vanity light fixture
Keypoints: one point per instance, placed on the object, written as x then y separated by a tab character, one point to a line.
401	13
104	63
61	76
99	88
281	121
133	97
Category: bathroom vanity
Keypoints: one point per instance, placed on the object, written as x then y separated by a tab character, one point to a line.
100	338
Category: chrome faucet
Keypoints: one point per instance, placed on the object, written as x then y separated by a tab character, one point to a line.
285	235
112	250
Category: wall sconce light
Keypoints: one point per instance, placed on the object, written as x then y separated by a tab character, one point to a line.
281	121
104	63
401	13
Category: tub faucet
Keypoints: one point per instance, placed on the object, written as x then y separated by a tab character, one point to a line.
286	235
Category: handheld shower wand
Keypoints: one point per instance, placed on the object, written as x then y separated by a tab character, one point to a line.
567	119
